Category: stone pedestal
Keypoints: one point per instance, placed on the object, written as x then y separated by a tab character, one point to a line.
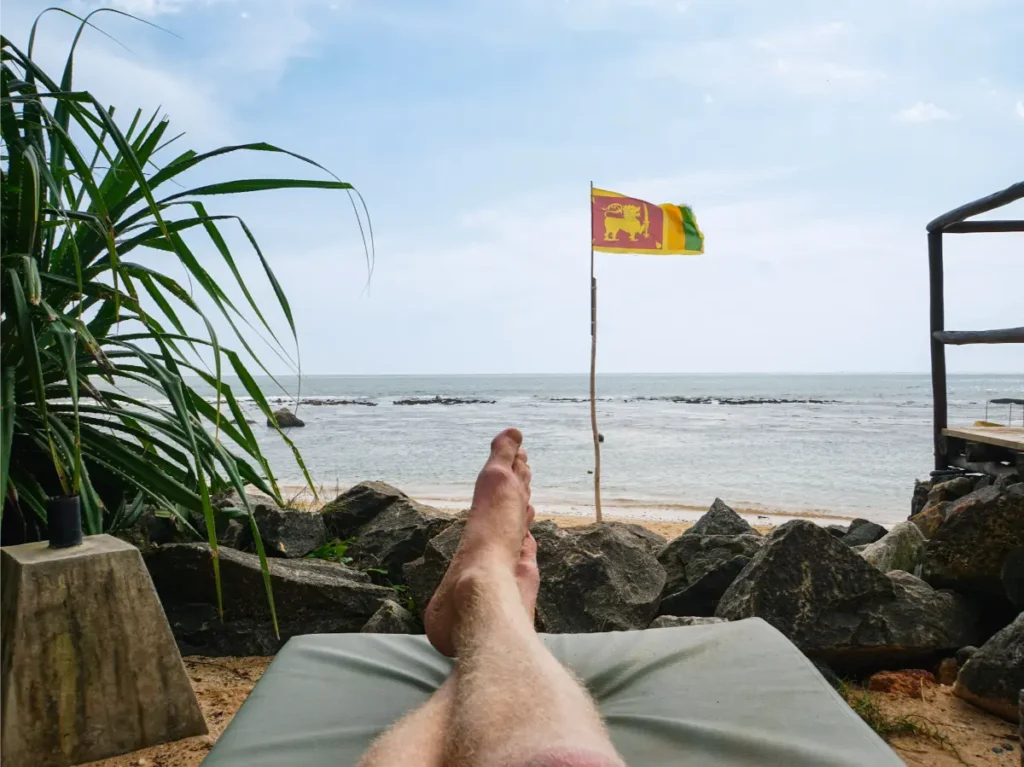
90	668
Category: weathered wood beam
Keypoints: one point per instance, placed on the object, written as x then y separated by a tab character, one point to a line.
977	207
937	322
969	227
960	337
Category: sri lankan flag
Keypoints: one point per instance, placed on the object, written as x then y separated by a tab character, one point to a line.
621	224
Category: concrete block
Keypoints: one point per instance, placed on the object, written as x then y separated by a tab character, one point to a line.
90	668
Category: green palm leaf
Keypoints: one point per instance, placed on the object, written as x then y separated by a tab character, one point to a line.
99	389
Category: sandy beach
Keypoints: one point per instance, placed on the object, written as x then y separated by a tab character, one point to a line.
668	520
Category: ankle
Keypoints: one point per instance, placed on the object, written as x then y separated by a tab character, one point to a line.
480	584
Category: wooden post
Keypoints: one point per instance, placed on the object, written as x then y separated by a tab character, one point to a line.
593	373
937	317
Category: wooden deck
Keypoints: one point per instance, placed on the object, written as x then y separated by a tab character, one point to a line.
1011	437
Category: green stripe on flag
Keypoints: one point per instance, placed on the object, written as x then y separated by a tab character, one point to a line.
694	239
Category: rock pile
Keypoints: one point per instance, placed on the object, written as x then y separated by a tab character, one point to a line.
975	546
837	607
437	399
855	598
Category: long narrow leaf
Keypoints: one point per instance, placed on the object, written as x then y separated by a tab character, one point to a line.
6	428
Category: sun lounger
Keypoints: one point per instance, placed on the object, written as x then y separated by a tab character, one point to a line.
726	694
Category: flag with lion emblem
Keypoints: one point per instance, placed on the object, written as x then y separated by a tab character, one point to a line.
621	224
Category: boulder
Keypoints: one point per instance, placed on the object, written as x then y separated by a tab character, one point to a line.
672	621
151	529
863	532
654	542
232	500
311	597
699	569
392	618
237	534
396	535
388	528
285	419
721	520
930	519
920	498
979	500
600	577
993	677
837	531
900	549
423	575
1013	576
920	624
965	653
289	533
1003	481
951	489
837	607
968	551
361	504
156	527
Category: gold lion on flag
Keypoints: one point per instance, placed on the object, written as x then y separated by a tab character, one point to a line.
625	218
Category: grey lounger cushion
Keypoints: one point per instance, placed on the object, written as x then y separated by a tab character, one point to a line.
727	694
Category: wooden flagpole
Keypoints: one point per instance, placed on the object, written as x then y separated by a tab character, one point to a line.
593	368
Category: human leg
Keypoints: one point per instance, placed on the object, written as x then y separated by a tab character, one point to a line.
418	739
514	703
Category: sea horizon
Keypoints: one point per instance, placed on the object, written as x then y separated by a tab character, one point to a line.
823	445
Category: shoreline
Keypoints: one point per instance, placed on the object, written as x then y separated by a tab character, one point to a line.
670	515
644	514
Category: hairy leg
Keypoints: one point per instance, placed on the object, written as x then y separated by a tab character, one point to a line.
418	739
514	704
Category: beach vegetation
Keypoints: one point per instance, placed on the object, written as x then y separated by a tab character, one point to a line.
125	309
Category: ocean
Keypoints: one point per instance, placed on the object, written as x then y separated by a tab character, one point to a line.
853	451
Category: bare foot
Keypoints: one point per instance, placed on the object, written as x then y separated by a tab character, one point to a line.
497	535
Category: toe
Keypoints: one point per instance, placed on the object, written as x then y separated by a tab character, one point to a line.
529	551
505	446
522	469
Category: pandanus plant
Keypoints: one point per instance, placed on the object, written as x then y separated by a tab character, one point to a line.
87	327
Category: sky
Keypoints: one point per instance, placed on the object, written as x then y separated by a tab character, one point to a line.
813	140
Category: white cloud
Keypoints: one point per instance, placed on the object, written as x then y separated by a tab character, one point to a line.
129	81
1020	109
922	112
802	60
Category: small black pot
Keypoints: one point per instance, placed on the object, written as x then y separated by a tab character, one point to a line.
64	521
